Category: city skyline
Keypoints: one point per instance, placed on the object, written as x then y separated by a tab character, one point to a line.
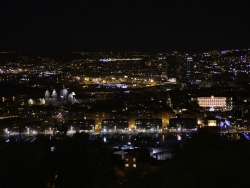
124	93
124	119
124	25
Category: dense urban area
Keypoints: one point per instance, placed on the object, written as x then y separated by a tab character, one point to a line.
125	119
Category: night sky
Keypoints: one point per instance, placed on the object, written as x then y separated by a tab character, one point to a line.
61	25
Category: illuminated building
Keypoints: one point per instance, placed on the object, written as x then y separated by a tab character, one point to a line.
137	158
36	102
190	69
64	98
225	124
115	124
80	125
148	124
212	124
215	103
180	123
168	102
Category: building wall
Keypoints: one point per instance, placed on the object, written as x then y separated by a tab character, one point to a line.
188	123
154	124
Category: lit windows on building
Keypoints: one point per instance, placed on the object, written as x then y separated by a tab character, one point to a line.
134	165
189	69
134	160
214	103
126	165
212	123
149	124
180	123
115	124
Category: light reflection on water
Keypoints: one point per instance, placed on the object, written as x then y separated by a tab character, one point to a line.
160	138
142	138
163	138
232	136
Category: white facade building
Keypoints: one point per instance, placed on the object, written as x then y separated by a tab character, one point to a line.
64	98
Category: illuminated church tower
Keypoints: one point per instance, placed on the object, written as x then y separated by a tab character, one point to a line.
47	94
168	102
64	98
54	94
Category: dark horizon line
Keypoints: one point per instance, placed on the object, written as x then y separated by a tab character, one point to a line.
122	50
